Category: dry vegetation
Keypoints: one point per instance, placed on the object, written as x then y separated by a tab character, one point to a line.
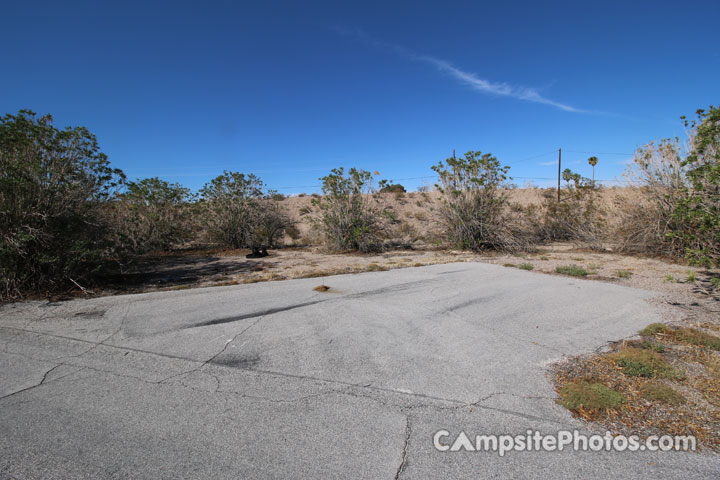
665	382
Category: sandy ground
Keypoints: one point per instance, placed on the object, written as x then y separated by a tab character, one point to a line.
204	268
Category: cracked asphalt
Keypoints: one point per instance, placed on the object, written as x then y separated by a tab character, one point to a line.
275	380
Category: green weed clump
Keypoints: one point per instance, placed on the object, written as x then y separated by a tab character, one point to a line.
638	362
589	396
572	270
659	392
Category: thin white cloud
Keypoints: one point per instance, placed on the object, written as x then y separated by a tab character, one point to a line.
480	84
547	164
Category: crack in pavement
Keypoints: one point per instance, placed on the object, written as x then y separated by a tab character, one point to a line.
406	444
346	390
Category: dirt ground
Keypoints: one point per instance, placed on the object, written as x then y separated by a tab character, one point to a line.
215	267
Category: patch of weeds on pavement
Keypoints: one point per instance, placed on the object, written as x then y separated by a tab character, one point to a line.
544	258
694	336
715	282
572	270
623	274
669	279
509	265
690	277
669	379
686	335
640	362
583	395
654	329
659	392
321	288
526	266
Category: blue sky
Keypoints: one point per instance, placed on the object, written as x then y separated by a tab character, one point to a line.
289	90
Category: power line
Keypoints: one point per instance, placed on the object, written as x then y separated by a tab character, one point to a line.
598	153
530	158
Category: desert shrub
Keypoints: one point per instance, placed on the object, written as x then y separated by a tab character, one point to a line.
349	215
577	217
385	186
239	213
698	212
54	187
678	213
270	224
293	232
645	212
152	214
474	210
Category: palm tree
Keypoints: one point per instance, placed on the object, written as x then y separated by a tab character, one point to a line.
593	161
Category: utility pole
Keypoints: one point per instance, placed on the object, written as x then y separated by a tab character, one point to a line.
559	162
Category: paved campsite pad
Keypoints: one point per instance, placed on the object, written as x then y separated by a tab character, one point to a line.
277	380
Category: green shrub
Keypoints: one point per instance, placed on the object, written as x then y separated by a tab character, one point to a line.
350	216
55	189
578	217
239	214
526	266
152	214
474	210
623	274
385	186
698	213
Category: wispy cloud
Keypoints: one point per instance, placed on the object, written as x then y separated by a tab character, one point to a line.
547	164
472	80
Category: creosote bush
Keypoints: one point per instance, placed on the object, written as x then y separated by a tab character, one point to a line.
239	213
578	217
474	210
152	214
55	186
349	214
